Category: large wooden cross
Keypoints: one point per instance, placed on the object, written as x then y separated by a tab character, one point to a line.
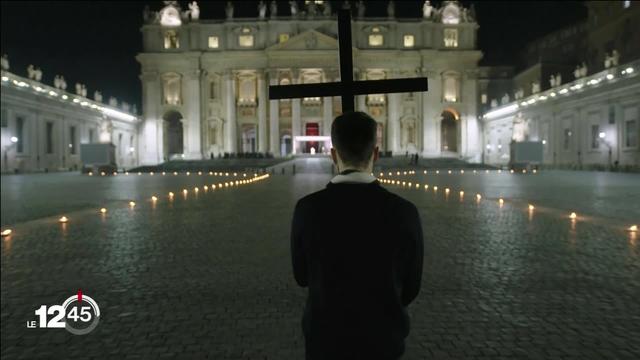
346	87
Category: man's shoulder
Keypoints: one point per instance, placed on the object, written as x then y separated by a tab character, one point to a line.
396	201
312	198
400	202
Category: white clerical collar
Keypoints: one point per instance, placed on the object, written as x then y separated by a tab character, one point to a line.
354	177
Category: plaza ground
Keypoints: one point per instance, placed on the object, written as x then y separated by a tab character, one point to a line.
209	276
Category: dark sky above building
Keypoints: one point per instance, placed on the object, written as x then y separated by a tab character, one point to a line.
95	42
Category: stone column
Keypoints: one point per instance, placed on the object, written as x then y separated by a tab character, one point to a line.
231	141
327	110
295	118
327	115
151	131
193	125
274	119
431	105
393	123
262	113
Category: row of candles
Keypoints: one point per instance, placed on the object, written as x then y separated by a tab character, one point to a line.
171	195
174	173
530	207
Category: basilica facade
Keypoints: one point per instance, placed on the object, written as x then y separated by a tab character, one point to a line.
205	82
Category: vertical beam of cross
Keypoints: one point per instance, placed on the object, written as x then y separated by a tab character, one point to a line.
346	60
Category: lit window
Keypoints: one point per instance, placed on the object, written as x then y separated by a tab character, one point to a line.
409	41
171	89
451	37
213	42
246	40
450	88
171	40
376	99
283	38
315	100
376	40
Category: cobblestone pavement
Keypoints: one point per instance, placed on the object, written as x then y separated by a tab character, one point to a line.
209	276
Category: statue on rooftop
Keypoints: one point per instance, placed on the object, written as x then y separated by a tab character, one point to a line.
146	14
535	87
552	81
31	71
274	9
583	70
37	74
194	11
391	9
113	102
615	57
97	96
5	62
294	8
78	89
84	90
427	10
63	83
558	79
229	10
312	9
262	10
327	9
361	8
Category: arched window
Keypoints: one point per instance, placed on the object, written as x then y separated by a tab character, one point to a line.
171	89
171	40
311	76
451	87
450	37
246	88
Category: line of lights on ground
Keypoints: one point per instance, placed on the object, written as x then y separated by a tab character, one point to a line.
63	220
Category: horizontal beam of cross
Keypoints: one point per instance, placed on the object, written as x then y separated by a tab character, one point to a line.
339	88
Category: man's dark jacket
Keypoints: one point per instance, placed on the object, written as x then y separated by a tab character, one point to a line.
359	249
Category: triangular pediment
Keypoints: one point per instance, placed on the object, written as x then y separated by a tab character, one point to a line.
308	40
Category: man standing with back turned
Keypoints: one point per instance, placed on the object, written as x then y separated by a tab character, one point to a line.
359	249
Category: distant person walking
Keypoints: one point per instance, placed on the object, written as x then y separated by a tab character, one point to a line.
359	250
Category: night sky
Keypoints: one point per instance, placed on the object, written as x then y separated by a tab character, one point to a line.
95	42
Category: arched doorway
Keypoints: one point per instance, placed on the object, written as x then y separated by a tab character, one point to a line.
286	145
449	131
173	134
249	138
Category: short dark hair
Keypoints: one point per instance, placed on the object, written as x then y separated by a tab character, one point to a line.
353	134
